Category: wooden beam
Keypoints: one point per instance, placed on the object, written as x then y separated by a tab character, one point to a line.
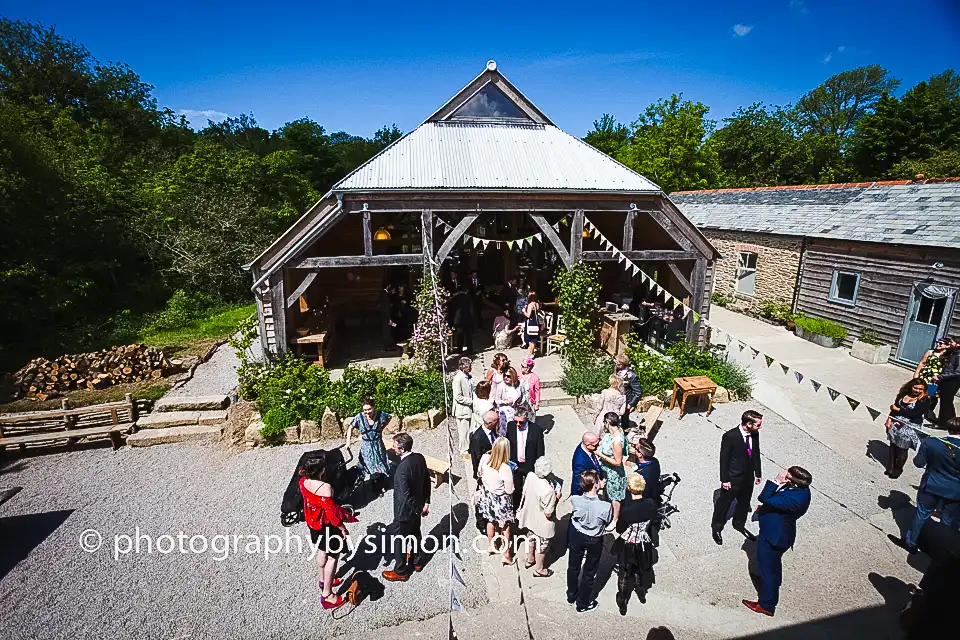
682	279
426	224
554	239
576	237
648	255
628	230
299	291
455	236
388	260
367	235
278	300
671	229
697	297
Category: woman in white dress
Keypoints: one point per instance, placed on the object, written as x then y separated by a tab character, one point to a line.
482	402
508	398
494	374
611	399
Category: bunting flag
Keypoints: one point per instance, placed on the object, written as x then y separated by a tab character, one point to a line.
741	345
853	403
874	414
730	339
816	385
785	368
755	352
768	359
456	575
456	604
799	376
834	394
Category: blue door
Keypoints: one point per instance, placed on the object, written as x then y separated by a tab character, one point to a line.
927	319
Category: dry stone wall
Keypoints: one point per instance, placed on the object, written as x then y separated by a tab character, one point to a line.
778	261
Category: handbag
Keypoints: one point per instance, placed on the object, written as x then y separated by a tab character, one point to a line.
533	327
362	584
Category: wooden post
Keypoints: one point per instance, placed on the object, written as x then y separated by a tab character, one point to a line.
426	223
576	237
134	410
697	280
367	235
628	230
278	300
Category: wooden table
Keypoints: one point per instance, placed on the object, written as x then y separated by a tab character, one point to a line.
693	386
616	328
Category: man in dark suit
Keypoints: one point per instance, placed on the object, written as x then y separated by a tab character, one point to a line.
940	484
462	320
411	502
481	440
585	459
526	446
649	467
739	471
781	505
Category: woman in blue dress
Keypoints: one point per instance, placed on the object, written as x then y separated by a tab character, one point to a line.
374	462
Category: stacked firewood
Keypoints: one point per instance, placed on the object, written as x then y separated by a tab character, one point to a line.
42	378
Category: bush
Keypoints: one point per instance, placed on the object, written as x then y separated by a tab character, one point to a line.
720	299
182	309
824	327
276	420
870	336
657	372
777	311
586	376
577	293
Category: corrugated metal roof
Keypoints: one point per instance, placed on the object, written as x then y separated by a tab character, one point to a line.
912	214
458	155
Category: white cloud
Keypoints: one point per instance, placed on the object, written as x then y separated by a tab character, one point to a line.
198	117
827	58
740	30
841	49
799	6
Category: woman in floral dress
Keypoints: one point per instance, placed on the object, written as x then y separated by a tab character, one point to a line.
374	462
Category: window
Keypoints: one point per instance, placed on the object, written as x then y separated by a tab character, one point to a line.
930	310
747	273
489	102
844	287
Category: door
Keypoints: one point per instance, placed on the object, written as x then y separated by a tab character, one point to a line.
927	319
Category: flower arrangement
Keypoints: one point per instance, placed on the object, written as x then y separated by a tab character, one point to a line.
430	330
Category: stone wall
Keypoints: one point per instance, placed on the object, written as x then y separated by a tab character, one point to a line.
778	260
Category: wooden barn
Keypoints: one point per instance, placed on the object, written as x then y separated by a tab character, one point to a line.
486	184
882	256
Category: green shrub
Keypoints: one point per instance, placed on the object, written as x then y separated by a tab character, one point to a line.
182	309
276	420
870	337
719	299
653	370
777	311
586	376
824	327
657	372
578	290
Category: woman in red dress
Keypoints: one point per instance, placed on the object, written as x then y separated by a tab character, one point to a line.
326	519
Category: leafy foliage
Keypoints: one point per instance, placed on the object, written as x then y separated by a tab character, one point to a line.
577	293
657	372
586	377
824	327
430	329
778	311
720	299
870	336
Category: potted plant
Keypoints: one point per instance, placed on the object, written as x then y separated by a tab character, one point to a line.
869	348
825	333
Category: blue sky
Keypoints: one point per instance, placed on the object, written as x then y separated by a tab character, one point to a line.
355	66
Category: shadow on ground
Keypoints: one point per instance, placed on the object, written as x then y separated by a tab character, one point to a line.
22	534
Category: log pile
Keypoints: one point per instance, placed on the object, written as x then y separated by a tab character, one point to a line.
42	378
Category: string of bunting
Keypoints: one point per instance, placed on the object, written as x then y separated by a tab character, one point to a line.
730	338
516	243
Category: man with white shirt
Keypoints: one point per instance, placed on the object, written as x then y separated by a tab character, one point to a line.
483	438
739	472
462	387
526	445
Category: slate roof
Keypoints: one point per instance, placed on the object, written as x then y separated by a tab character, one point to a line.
908	213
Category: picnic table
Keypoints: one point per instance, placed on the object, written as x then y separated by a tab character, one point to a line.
693	386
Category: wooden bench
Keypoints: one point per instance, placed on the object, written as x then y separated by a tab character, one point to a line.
71	425
438	469
555	342
319	339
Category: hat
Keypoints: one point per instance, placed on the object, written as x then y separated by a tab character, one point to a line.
528	363
943	341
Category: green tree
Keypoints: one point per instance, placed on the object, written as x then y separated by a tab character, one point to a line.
668	145
943	164
607	135
758	146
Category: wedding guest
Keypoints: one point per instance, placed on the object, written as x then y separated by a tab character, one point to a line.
530	388
585	459
462	388
373	461
494	375
906	416
631	387
495	501
634	547
585	541
537	514
411	503
930	365
613	453
531	325
508	398
948	382
612	399
503	332
526	446
482	402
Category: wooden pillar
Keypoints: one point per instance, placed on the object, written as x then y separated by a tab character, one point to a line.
426	226
367	235
698	281
576	237
278	303
628	230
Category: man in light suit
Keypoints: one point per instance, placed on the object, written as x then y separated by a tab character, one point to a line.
939	486
739	471
526	446
781	504
462	387
585	459
411	503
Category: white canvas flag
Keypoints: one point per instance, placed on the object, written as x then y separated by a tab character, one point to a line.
539	237
476	242
635	269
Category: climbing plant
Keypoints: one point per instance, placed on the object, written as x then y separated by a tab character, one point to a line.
577	293
431	329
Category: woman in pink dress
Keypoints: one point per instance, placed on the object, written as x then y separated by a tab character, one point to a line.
530	388
494	374
611	399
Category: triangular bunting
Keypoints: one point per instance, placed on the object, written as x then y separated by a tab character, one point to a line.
556	227
466	239
696	317
834	394
741	345
520	243
635	269
785	368
816	385
798	376
874	414
755	352
437	222
456	605
538	236
456	574
686	311
596	232
853	403
768	359
621	258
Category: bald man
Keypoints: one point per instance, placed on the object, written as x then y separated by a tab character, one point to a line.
483	438
585	459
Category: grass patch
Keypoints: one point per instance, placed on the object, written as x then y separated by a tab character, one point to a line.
195	337
143	390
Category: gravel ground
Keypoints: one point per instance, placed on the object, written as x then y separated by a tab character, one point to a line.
216	376
53	589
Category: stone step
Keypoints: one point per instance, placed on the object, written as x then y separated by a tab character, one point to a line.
170	435
555	397
549	383
191	403
165	419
